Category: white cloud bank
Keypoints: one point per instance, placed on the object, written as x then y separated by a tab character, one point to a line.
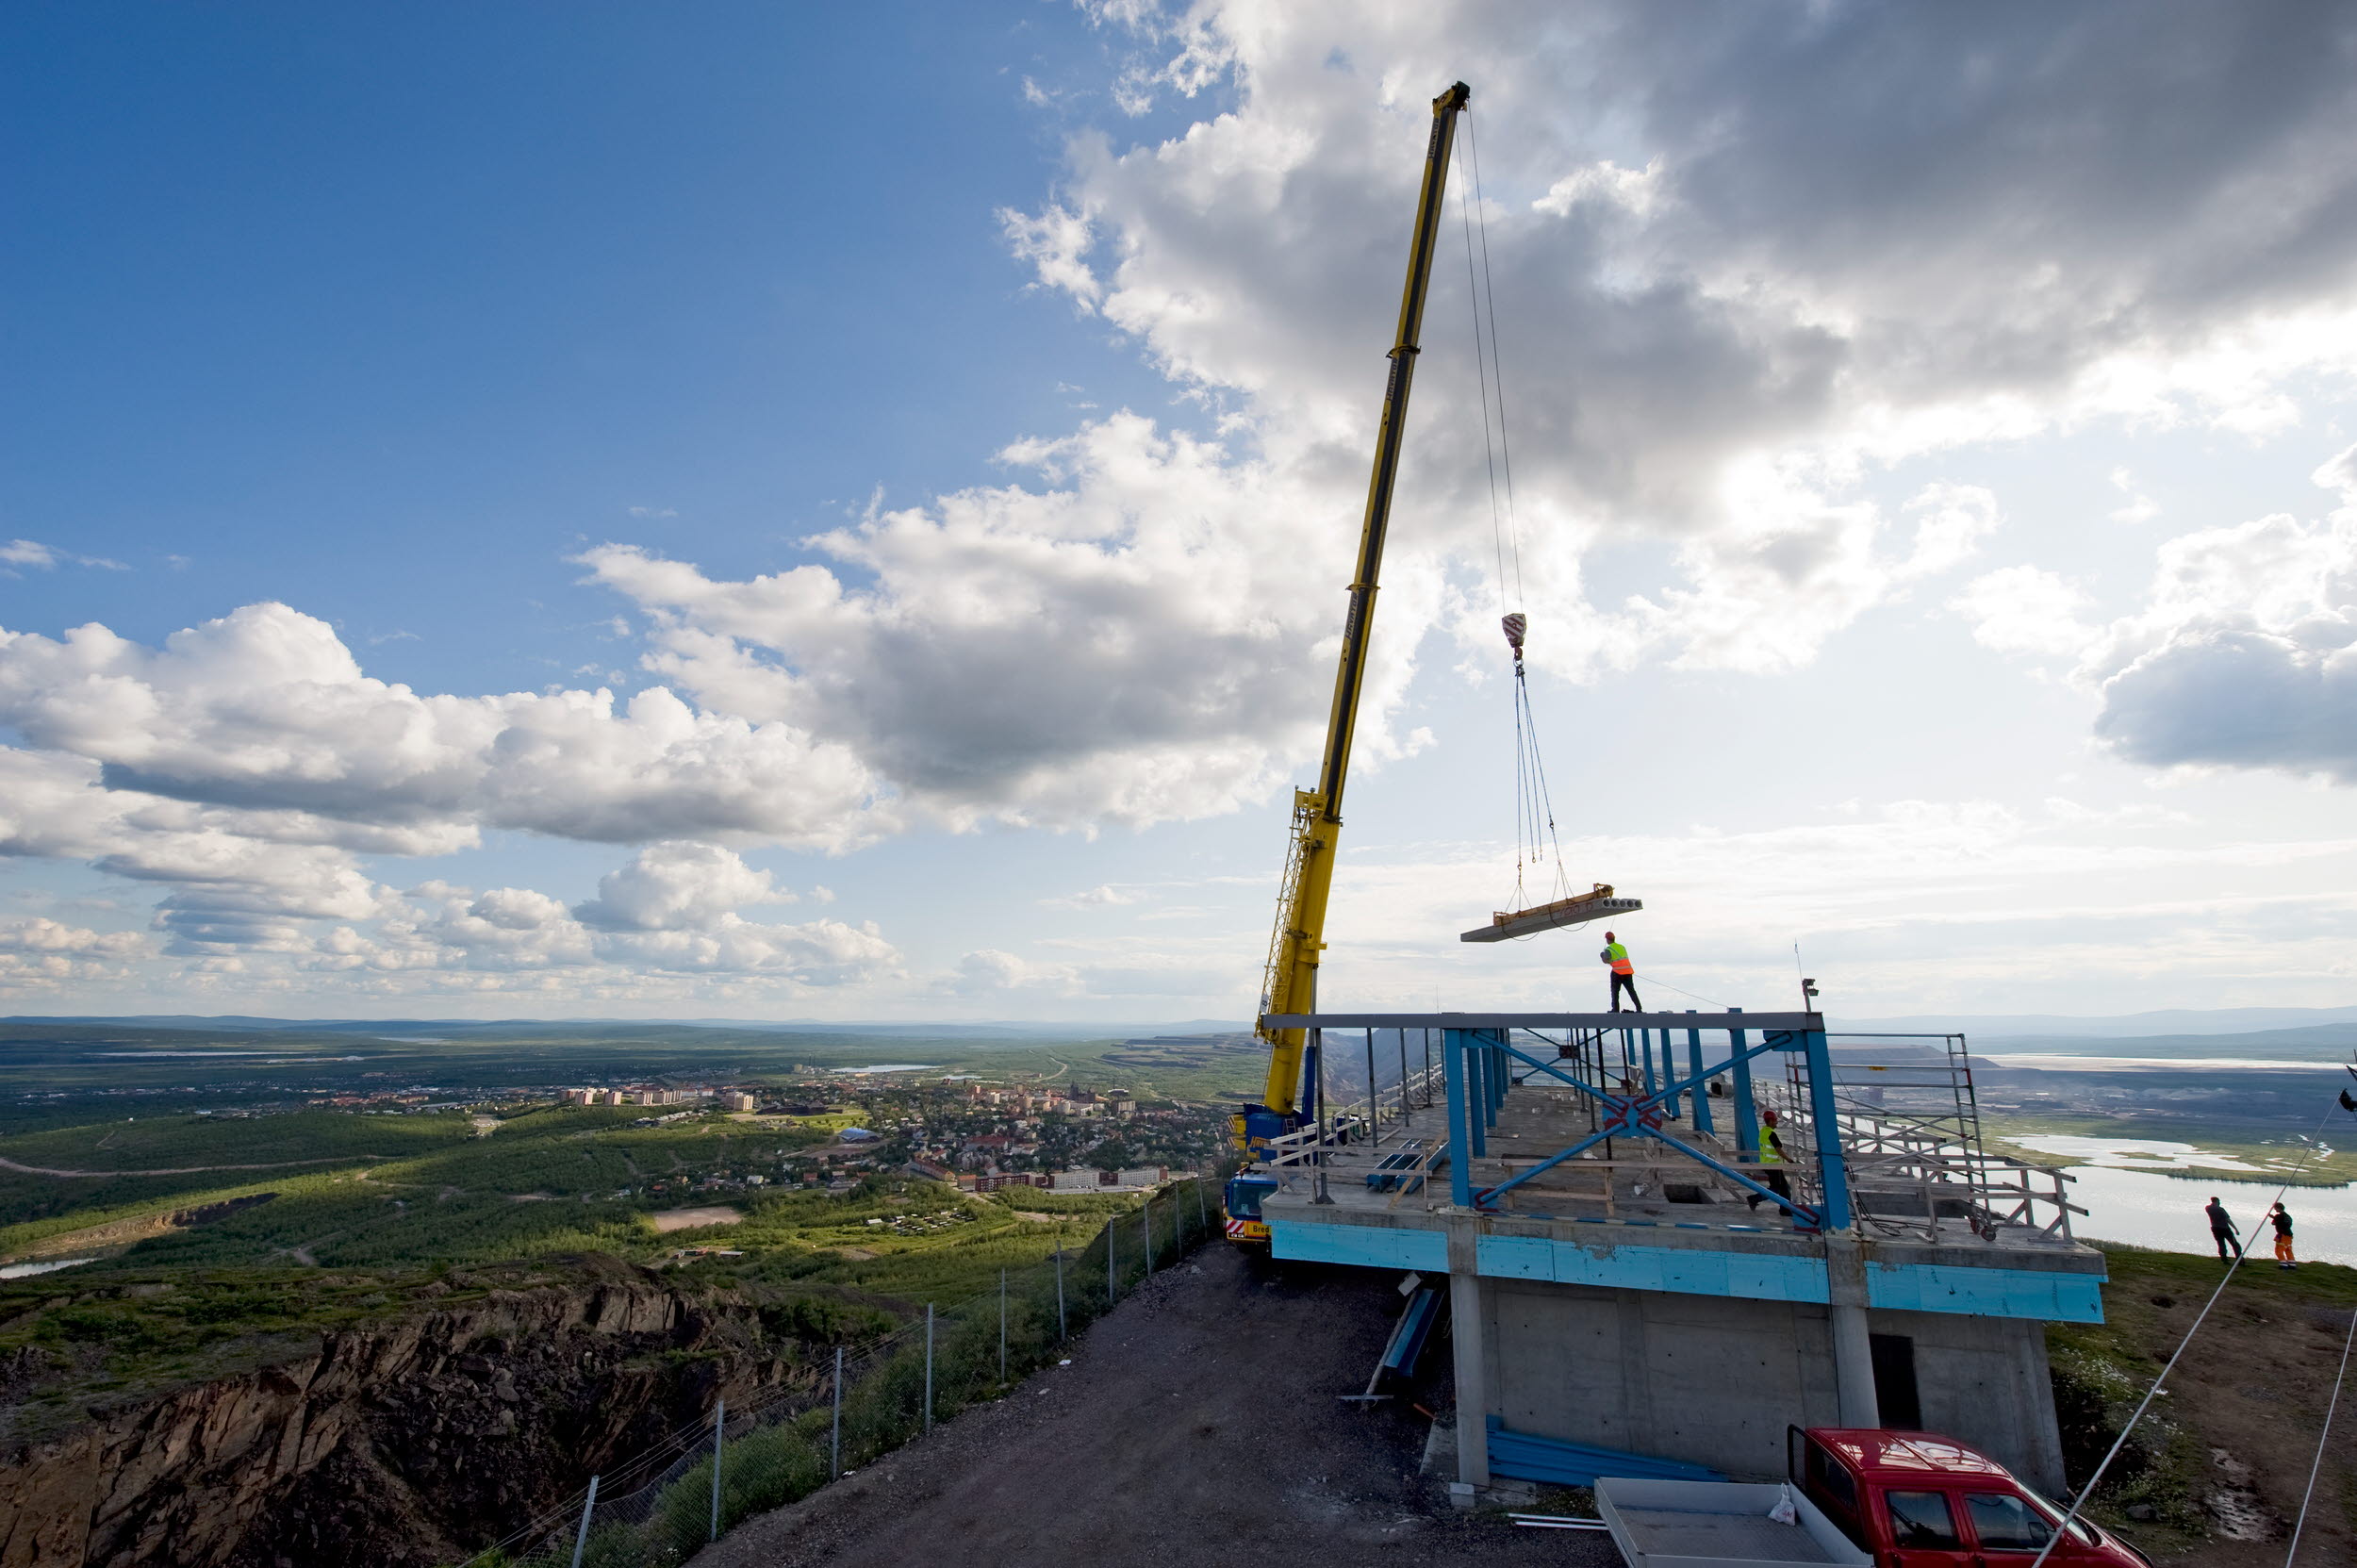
2243	654
1745	258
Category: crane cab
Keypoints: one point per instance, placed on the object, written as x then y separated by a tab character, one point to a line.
1240	1204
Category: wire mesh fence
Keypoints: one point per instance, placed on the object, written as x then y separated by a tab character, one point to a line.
844	1409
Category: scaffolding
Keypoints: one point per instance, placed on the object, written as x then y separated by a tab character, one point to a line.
1657	1119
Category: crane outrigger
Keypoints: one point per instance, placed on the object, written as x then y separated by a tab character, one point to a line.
1290	985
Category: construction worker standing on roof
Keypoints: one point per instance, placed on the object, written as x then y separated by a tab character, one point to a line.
1624	973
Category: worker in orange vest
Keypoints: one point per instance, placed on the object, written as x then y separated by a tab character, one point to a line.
1624	973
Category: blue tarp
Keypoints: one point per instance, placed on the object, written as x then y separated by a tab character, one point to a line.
1527	1457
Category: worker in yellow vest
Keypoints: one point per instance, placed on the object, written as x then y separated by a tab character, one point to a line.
1624	973
1771	1159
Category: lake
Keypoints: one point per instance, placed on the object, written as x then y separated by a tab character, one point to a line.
2150	1193
24	1271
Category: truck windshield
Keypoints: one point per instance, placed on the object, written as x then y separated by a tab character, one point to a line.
2050	1511
1920	1519
2000	1519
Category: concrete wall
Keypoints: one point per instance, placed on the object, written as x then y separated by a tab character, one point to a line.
1714	1380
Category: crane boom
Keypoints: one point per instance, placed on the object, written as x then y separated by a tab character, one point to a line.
1290	984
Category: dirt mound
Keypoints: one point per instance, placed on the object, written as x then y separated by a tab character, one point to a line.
1196	1423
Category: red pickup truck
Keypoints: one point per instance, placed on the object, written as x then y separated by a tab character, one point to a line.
1919	1500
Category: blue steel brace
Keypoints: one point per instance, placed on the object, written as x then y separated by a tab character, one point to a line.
1478	1100
1702	1096
1452	1064
1833	1169
1626	1118
1746	1109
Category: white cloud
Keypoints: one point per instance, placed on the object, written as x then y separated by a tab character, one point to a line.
2139	508
989	971
265	710
671	911
1134	647
677	886
1731	295
1104	895
2244	653
2024	610
31	553
38	954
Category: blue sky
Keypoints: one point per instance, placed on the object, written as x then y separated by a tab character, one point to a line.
940	429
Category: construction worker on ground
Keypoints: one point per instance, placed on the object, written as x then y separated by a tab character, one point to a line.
2280	1218
2222	1229
1624	973
1771	1160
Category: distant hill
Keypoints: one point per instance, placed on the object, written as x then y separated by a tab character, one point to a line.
937	1030
1985	1027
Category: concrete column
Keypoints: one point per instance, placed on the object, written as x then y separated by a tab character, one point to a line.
1852	1349
1469	1335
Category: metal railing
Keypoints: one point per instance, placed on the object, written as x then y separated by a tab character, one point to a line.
1905	1107
1910	1129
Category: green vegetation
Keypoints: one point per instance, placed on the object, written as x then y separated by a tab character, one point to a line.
125	1332
982	1346
201	1152
2268	1323
2275	1158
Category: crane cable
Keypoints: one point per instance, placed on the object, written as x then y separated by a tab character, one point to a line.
2079	1503
2331	1408
1534	807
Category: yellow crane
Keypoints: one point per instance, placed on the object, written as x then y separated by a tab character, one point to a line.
1291	981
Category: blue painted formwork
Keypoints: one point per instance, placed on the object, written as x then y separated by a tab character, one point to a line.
1970	1291
1691	1271
1987	1292
1361	1245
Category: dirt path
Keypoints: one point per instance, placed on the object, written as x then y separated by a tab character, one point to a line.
7	1164
1197	1424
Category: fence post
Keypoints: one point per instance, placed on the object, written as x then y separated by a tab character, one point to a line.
1202	1215
1002	1328
719	1425
1112	1234
834	1445
1146	1223
929	1366
1062	1332
589	1507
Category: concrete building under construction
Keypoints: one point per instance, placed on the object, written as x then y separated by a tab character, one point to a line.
1678	1234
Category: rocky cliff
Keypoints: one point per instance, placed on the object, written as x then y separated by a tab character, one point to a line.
404	1444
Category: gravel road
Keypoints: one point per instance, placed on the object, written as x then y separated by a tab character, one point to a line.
1196	1423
